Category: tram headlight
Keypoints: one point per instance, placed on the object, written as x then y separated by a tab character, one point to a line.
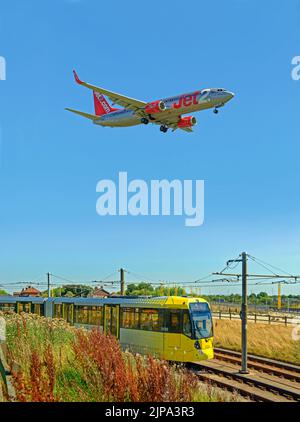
197	345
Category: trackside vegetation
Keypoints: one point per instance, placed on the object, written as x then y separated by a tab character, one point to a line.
53	361
272	341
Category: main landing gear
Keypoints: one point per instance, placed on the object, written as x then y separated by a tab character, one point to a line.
216	111
163	128
145	121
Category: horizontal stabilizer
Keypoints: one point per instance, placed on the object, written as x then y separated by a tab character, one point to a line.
83	114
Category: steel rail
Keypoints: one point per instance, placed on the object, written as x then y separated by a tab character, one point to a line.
233	379
284	369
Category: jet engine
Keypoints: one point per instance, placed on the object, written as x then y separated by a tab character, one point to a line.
187	121
155	107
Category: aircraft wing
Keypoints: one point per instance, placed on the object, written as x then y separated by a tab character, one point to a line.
166	117
126	102
187	129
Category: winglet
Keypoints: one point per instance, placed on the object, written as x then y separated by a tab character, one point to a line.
76	78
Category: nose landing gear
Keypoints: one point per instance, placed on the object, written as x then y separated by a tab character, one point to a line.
163	128
216	111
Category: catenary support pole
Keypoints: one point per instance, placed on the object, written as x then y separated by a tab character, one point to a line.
122	281
244	369
48	284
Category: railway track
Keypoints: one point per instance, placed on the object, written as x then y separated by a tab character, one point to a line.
261	364
268	380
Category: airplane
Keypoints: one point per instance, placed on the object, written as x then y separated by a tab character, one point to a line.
166	112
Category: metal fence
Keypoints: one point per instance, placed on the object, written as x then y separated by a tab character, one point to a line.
235	307
257	318
254	308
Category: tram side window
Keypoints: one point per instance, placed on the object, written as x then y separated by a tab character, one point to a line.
174	321
158	322
96	315
24	307
151	319
130	318
38	309
81	315
58	311
7	307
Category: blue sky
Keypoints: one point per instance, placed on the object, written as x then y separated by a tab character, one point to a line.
51	161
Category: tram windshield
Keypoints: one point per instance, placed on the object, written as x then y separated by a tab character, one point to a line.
201	320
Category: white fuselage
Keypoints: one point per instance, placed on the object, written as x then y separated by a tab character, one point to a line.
175	106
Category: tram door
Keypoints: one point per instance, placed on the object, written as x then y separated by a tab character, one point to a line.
68	312
111	323
174	327
37	308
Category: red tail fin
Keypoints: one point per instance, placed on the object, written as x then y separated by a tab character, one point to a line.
101	105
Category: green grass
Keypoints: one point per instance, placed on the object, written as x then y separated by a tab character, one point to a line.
272	341
52	361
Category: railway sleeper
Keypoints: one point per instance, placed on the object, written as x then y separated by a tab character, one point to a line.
280	372
293	394
240	388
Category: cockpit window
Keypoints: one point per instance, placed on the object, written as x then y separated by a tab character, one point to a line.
201	320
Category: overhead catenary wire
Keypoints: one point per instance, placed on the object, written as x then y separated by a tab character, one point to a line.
63	278
206	281
262	265
139	276
270	265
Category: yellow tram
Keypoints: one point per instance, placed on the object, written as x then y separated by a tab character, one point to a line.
172	328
